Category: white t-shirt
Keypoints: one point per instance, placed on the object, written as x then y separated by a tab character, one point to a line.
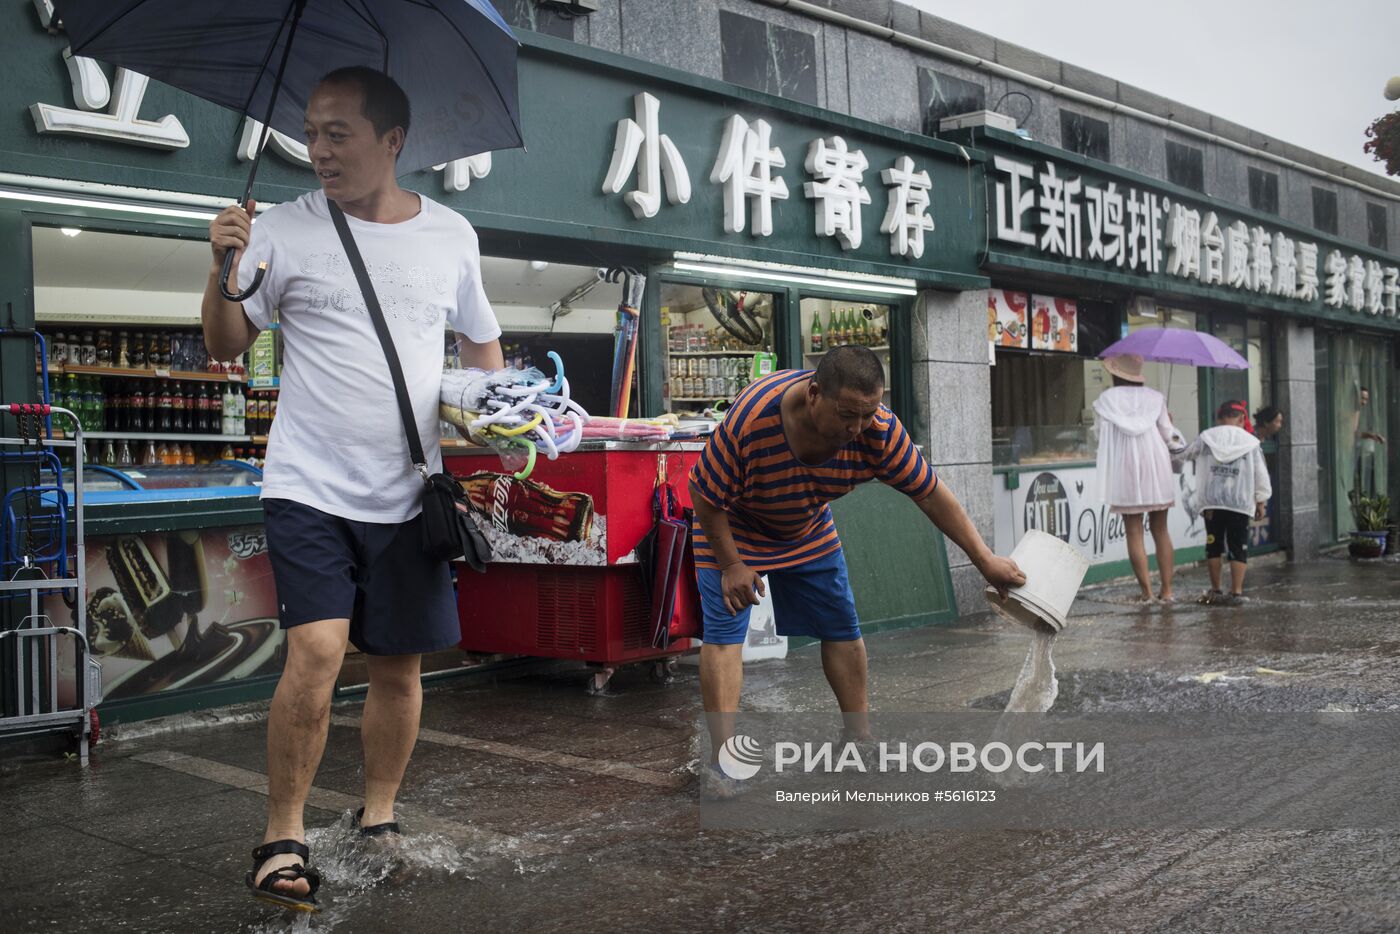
337	443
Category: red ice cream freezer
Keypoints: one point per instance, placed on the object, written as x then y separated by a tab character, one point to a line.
564	580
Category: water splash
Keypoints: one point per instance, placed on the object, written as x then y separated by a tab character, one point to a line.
355	864
1036	686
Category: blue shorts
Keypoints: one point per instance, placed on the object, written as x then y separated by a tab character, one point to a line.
398	601
812	599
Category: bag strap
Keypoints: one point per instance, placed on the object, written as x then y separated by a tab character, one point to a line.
386	341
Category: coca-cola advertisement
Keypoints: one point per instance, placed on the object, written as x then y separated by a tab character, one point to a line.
178	609
528	522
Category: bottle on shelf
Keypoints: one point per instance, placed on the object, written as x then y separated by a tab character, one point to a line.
136	407
123	351
226	411
152	408
113	405
227	453
124	456
177	408
87	407
214	411
89	348
250	419
187	455
165	408
109	453
136	356
817	345
150	455
240	411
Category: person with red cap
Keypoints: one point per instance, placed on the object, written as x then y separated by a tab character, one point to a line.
1232	486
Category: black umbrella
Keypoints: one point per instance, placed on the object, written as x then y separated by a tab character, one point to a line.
455	59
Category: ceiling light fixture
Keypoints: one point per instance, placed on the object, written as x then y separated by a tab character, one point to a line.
773	272
62	201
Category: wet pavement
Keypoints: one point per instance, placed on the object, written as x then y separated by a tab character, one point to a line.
531	806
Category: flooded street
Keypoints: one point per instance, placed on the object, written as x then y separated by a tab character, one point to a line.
530	806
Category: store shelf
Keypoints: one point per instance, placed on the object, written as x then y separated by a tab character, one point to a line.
715	353
823	353
160	436
158	373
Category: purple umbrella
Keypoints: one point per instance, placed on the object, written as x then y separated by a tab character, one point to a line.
1178	345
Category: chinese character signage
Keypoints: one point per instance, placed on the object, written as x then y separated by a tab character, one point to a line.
1056	212
652	159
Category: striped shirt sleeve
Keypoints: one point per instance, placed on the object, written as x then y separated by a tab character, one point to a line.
902	466
718	474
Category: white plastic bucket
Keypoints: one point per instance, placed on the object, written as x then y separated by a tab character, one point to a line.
1054	571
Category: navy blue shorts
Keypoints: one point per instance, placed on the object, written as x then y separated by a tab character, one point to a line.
812	599
398	601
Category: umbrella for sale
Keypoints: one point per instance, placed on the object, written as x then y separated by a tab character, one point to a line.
661	554
625	337
1178	345
455	59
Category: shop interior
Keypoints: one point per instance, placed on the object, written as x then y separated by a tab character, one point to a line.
828	323
1046	375
120	312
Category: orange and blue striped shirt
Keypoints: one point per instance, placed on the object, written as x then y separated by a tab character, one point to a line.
777	505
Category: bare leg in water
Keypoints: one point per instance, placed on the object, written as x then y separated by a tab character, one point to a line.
1137	552
1166	558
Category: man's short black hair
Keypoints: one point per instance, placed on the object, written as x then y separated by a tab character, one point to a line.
385	103
850	367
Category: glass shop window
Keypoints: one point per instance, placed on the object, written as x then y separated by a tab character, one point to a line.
1046	375
717	341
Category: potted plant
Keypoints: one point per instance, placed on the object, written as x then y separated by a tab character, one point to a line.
1372	516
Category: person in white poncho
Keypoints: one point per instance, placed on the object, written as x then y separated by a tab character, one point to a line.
1135	467
1232	486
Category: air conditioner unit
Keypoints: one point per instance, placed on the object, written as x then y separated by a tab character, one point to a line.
984	118
573	6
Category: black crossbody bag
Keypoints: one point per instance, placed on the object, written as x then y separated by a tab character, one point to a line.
449	533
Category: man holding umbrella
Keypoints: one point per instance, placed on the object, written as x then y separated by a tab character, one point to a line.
341	498
340	495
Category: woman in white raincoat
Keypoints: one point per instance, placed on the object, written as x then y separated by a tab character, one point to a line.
1135	467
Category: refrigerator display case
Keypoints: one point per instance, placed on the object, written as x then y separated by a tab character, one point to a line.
157	482
181	605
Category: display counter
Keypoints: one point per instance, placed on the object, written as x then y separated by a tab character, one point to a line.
180	596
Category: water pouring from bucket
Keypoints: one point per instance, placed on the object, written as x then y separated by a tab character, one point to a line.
1054	572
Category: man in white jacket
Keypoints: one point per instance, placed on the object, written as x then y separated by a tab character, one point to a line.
1232	485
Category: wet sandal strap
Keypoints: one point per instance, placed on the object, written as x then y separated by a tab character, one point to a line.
266	851
290	874
375	830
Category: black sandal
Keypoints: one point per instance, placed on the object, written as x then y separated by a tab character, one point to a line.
375	830
264	890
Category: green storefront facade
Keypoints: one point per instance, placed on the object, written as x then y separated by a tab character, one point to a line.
121	168
1129	251
709	186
